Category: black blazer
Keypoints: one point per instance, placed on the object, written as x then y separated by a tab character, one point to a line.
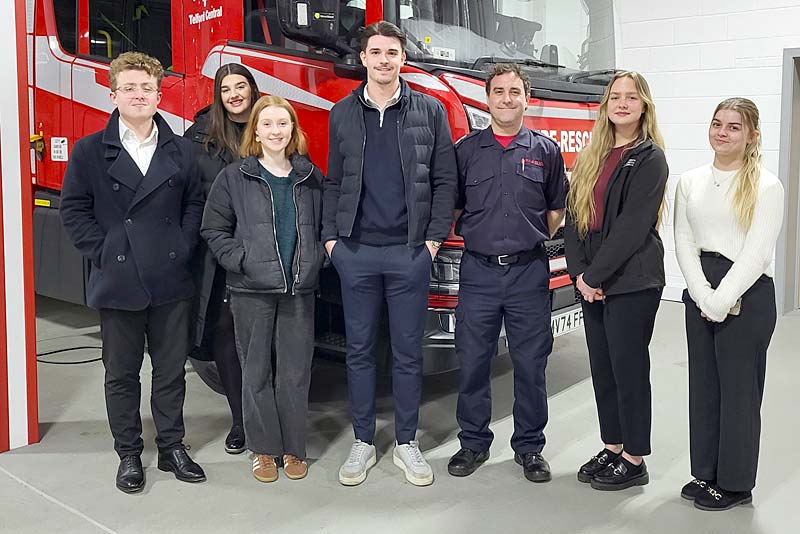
138	231
627	255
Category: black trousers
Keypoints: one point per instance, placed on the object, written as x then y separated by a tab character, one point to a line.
166	329
727	366
370	275
488	296
618	331
219	340
275	397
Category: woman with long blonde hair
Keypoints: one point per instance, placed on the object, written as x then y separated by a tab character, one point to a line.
727	218
616	257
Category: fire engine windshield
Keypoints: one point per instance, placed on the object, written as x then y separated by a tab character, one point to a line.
561	37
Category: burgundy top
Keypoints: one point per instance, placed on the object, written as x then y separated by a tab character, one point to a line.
505	140
602	184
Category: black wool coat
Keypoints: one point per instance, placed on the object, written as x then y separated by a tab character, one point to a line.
139	232
204	266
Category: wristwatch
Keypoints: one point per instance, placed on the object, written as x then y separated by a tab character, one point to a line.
434	244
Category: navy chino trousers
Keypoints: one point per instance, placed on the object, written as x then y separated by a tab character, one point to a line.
370	275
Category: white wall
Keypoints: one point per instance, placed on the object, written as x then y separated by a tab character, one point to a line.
694	53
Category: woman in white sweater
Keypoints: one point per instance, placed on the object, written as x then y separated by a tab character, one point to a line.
727	218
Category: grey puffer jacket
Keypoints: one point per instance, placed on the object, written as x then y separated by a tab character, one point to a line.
239	227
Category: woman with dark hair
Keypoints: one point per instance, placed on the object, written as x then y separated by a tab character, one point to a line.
216	133
616	257
727	218
262	222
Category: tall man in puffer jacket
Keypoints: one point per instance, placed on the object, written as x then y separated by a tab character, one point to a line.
387	206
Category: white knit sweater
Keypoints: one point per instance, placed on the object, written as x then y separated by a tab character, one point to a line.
705	221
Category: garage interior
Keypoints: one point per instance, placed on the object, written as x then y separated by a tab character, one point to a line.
66	482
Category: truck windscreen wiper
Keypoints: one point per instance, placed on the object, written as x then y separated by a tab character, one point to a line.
530	62
589	73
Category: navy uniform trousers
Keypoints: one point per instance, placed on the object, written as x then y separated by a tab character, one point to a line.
519	296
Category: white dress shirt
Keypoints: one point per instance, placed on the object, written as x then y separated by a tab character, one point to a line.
141	151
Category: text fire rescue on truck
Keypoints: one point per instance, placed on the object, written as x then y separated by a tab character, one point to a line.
307	52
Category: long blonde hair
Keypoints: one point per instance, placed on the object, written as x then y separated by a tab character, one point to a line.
580	200
746	180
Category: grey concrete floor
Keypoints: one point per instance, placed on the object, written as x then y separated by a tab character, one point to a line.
66	482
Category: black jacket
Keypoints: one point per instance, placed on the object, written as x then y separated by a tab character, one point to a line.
210	163
428	166
138	232
238	226
627	255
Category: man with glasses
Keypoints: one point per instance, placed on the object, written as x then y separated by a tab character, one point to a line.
132	203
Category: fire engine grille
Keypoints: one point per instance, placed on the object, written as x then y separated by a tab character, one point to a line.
555	249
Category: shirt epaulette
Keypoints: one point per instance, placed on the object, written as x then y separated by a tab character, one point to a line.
468	136
540	134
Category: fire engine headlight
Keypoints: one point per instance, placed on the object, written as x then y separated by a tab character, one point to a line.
478	119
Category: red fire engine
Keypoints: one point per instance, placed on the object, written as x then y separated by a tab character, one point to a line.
307	52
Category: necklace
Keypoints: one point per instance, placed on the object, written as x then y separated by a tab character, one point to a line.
716	179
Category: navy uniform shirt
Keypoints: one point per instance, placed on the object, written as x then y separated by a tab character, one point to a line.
506	192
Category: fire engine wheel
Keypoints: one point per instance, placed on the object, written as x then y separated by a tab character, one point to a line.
207	371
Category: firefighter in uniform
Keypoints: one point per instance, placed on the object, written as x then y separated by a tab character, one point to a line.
512	193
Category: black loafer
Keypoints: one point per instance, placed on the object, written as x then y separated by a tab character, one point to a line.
177	461
716	499
596	464
620	475
534	466
130	474
465	462
234	443
694	488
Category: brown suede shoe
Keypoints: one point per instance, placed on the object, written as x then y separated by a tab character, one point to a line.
294	467
264	468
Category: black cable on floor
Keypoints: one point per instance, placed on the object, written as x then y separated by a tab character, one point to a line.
57	351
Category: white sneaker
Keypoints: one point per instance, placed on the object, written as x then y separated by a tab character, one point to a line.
409	458
354	470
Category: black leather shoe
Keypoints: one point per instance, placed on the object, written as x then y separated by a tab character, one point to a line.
716	499
130	474
596	464
234	443
465	462
621	474
694	488
177	461
534	466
